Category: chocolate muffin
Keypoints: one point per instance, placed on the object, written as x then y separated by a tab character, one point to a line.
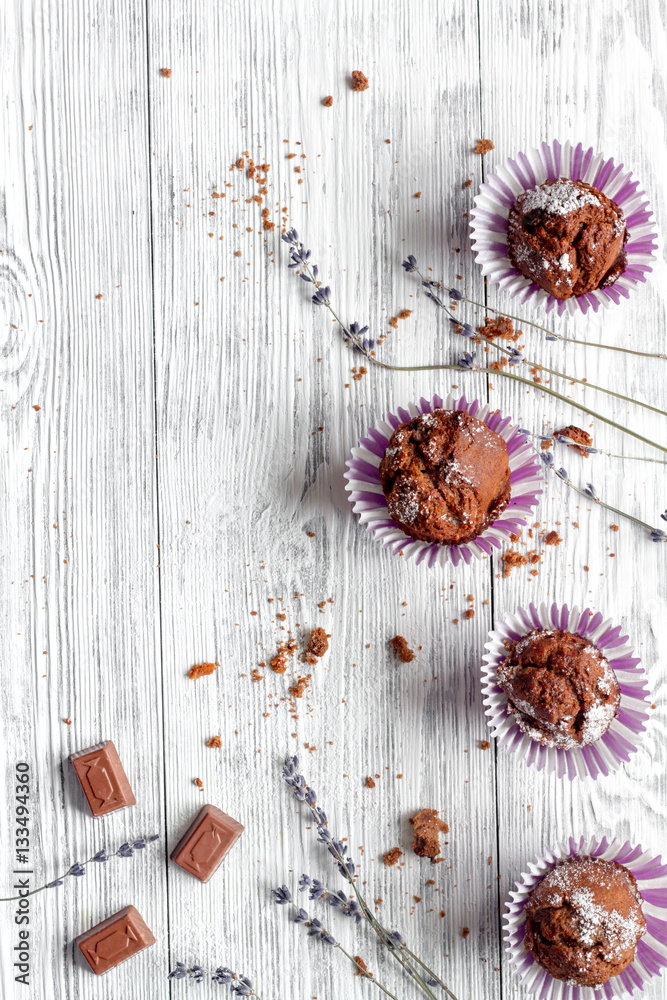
446	476
583	921
568	237
560	688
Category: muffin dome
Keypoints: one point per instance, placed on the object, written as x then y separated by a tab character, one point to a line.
567	236
583	921
559	687
445	476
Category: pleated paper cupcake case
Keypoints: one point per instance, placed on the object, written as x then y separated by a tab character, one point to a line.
368	500
626	731
488	221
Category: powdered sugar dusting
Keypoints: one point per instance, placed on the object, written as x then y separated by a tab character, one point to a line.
560	198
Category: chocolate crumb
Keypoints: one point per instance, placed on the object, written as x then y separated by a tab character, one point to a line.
279	662
392	856
579	436
465	932
401	648
362	969
427	828
359	81
201	670
511	559
298	688
316	646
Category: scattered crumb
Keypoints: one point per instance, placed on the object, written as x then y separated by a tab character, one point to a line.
327	102
201	670
552	538
369	782
614	527
427	828
214	741
165	72
359	81
298	688
576	434
469	614
465	932
483	146
68	721
362	969
418	194
500	328
392	856
401	648
484	745
37	408
316	646
511	559
198	782
405	313
279	662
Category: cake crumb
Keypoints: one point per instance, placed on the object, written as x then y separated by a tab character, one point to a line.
369	782
214	741
613	527
469	614
417	194
427	828
511	559
199	783
582	438
299	687
317	645
484	745
327	101
359	81
201	670
401	648
362	969
484	146
464	933
392	856
552	538
165	72
279	662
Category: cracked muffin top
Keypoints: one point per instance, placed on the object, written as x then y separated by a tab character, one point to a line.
445	476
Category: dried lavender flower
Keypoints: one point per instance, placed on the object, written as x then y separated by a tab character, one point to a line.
78	869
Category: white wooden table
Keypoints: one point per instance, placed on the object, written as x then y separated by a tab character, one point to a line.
185	466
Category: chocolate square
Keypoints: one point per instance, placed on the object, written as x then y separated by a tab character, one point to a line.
114	940
206	841
102	778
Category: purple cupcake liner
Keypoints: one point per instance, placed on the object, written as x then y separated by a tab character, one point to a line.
651	957
488	221
624	735
368	500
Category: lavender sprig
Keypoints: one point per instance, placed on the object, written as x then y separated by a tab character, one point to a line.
411	266
345	865
590	493
239	985
292	239
316	929
513	355
78	869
